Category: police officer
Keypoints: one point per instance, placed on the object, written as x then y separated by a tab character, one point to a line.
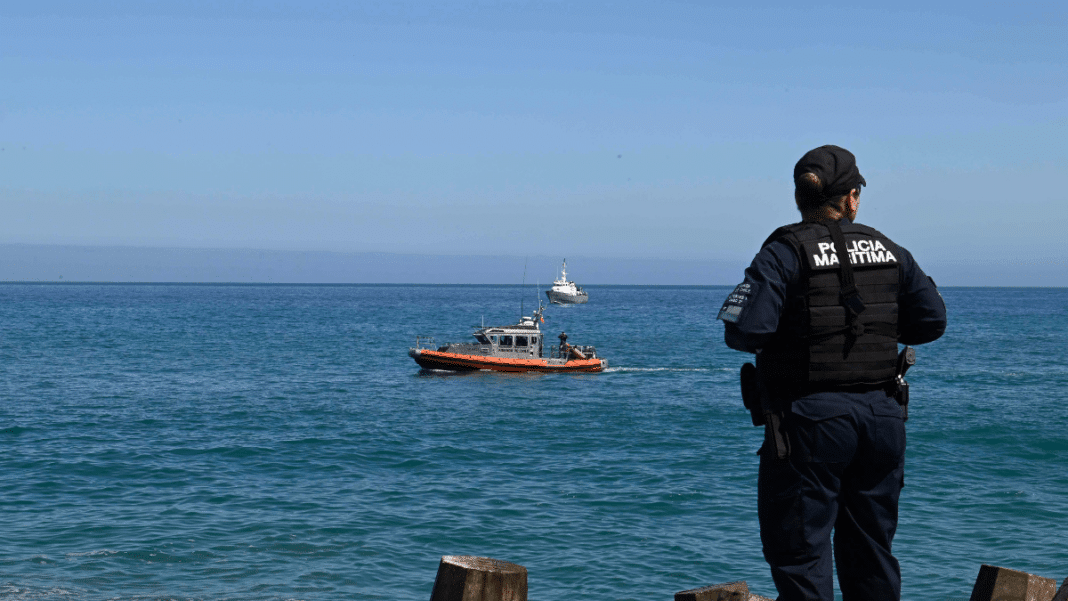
824	305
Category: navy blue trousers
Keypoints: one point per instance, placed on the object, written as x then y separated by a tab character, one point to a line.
844	475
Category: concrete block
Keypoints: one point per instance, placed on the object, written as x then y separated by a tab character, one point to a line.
728	591
1003	584
469	578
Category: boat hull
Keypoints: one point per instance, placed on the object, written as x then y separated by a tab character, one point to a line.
428	359
564	298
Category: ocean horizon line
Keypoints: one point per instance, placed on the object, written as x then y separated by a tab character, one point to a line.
423	285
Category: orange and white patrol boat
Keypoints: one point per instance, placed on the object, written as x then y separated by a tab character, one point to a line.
516	348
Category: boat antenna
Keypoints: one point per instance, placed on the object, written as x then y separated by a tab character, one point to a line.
521	310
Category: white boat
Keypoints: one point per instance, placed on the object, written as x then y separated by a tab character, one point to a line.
565	292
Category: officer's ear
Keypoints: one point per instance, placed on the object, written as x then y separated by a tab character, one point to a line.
853	203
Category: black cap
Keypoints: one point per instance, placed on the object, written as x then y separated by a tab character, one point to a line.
835	166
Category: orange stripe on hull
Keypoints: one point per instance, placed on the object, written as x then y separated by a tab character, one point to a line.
453	361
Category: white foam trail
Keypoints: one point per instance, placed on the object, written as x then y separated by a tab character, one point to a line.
624	369
91	553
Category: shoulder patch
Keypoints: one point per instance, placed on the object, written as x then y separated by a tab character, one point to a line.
732	307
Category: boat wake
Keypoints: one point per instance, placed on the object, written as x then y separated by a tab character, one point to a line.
636	369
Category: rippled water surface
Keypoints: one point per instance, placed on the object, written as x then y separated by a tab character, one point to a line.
276	442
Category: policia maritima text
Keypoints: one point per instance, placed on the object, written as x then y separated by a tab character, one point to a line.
824	305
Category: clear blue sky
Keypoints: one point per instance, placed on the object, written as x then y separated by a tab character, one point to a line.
642	130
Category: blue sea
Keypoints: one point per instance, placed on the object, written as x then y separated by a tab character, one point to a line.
245	442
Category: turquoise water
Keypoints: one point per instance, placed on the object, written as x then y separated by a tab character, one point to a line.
188	442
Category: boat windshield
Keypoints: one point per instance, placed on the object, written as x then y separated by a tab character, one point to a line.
481	338
520	340
506	341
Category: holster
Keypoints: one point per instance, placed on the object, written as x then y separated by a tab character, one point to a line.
905	359
756	399
751	393
901	395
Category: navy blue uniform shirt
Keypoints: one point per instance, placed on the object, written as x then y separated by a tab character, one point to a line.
757	302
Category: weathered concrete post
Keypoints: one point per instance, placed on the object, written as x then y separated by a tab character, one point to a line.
1003	584
728	591
467	578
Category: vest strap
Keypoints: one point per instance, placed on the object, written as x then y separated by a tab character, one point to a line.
878	329
850	294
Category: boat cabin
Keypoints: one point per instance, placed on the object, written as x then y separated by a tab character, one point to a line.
521	341
509	342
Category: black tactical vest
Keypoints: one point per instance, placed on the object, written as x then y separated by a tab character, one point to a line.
826	338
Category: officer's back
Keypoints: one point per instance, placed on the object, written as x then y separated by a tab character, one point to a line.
824	305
